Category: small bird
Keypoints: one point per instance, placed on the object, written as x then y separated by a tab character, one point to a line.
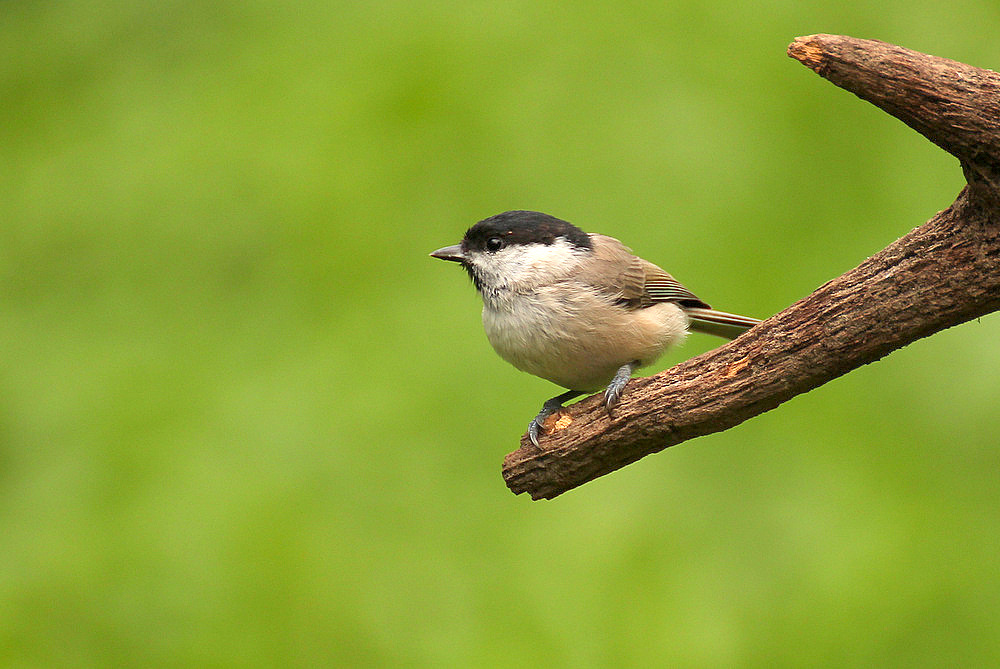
575	308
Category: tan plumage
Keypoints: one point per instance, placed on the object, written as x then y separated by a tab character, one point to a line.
577	322
638	282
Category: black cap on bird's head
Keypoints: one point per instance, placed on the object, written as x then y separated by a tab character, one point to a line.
522	227
511	228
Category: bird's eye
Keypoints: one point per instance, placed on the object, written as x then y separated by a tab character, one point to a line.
494	244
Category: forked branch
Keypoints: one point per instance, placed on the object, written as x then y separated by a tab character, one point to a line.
943	273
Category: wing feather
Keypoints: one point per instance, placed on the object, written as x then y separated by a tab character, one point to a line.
638	283
661	287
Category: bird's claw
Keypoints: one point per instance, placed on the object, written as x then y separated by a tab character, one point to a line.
538	422
533	431
612	393
550	407
614	390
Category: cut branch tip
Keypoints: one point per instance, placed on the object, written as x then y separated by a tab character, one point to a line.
808	50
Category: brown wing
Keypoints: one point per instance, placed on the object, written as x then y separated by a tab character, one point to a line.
634	281
661	287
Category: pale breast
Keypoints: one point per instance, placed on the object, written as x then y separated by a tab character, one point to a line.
576	339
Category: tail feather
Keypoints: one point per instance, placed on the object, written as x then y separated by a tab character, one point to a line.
719	323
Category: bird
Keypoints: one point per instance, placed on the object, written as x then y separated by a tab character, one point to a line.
575	308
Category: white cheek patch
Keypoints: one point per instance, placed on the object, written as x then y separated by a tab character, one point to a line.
534	264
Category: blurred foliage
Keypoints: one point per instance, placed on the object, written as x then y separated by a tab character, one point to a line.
245	421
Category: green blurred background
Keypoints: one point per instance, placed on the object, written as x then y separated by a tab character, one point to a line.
246	421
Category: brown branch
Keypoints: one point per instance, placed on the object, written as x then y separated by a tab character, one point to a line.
941	274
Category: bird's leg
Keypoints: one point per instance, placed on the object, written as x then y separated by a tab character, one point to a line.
617	385
549	408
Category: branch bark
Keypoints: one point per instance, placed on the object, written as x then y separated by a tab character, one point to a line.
943	273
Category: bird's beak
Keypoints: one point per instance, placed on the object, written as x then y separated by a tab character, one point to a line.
452	253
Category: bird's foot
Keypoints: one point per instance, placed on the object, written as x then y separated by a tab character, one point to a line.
549	408
614	390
